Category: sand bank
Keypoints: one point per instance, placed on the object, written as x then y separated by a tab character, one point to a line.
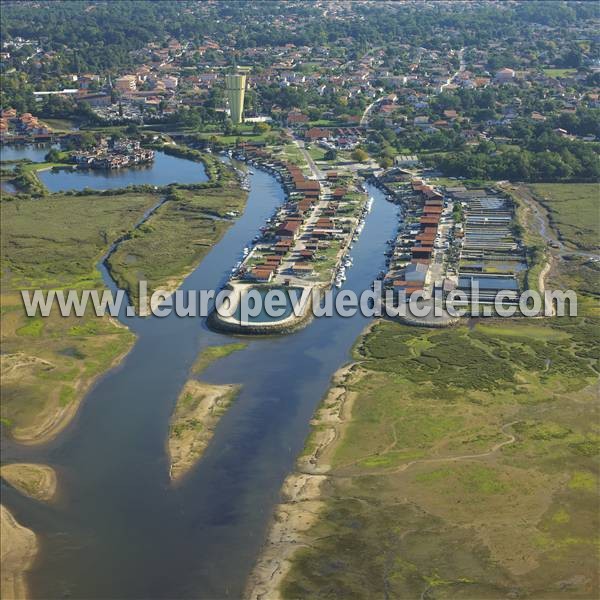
302	492
34	480
199	407
17	551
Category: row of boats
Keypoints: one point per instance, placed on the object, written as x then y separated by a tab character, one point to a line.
347	261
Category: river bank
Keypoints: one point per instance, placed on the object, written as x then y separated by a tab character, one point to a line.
302	491
18	549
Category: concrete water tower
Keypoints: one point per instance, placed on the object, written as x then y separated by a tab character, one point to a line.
235	84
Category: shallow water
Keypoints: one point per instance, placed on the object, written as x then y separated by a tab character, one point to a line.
163	170
34	152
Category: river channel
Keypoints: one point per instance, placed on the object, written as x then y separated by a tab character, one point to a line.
120	530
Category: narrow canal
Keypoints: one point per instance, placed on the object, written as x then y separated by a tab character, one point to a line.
120	530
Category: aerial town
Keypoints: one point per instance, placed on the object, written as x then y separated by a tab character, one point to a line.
155	156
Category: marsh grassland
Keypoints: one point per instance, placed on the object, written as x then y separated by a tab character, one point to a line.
176	237
49	363
466	470
574	211
458	463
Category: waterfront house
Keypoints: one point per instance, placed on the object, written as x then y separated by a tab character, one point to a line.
261	274
288	229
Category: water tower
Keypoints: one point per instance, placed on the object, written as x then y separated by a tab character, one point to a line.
235	84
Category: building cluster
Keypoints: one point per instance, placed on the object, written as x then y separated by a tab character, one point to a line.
15	127
420	237
113	154
307	235
400	79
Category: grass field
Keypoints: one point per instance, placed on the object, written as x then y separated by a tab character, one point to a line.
560	72
574	210
48	364
317	153
291	153
454	480
175	238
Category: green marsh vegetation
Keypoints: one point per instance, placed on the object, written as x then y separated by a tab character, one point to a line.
213	353
574	211
468	467
49	363
178	234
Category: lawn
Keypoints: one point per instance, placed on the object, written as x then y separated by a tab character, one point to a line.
560	72
317	153
574	211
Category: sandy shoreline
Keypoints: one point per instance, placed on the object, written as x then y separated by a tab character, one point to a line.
36	481
17	551
59	419
199	408
302	491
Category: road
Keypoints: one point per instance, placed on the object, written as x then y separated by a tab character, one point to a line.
317	173
365	116
461	68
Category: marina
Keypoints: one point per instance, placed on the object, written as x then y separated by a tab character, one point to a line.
305	243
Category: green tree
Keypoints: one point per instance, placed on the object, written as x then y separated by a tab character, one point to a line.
359	155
